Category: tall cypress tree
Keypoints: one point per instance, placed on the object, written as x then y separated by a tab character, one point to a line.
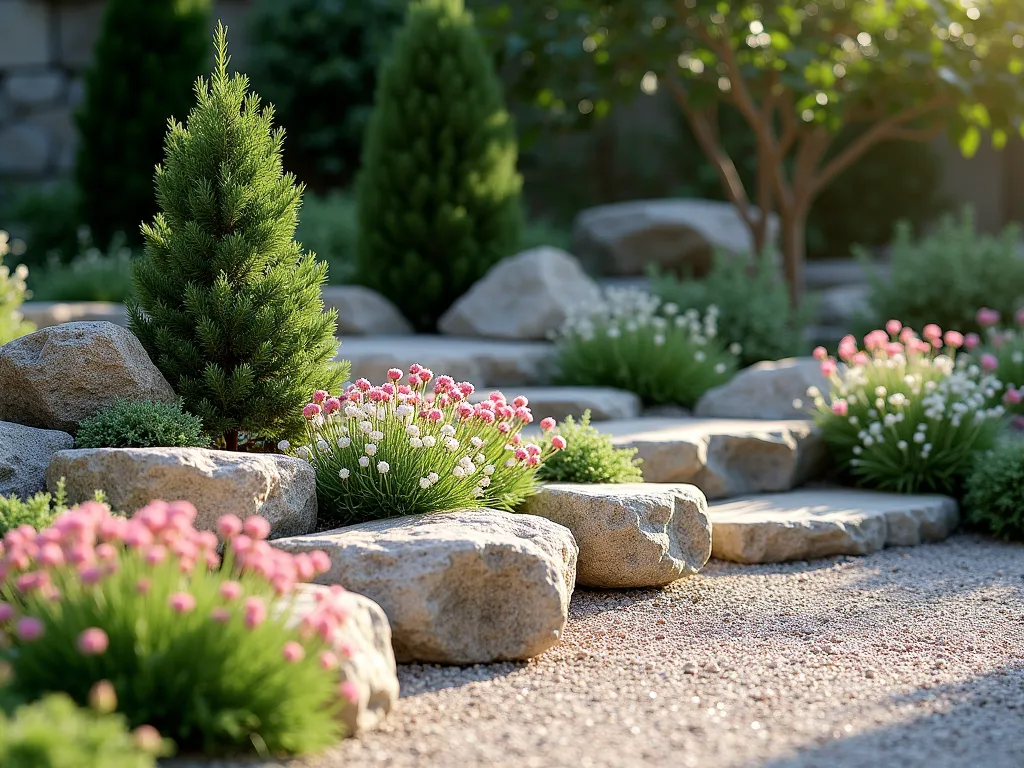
146	59
229	306
439	195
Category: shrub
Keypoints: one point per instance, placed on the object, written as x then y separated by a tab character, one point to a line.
633	341
12	293
589	457
92	275
147	56
52	223
1001	352
206	651
316	61
964	270
439	193
38	510
55	733
229	307
398	449
754	308
146	424
905	415
994	501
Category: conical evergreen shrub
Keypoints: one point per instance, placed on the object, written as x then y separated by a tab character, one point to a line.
146	59
228	304
439	195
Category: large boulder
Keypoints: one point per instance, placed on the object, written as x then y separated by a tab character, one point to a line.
364	312
468	587
630	535
523	297
25	453
280	488
676	235
765	390
558	402
55	377
370	663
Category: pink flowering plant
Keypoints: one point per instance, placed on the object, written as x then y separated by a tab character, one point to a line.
201	647
633	340
1000	351
418	444
904	413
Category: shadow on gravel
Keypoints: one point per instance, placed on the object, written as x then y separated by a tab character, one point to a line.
417	679
982	726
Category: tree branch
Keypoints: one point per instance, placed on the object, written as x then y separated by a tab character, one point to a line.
916	134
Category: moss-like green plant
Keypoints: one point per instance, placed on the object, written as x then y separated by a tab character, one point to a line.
38	510
995	491
589	457
142	424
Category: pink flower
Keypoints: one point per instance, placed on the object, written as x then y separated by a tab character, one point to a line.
93	642
321	560
395	374
349	691
466	388
931	332
1013	396
820	353
103	697
328	661
257	527
521	454
6	612
426	375
523	414
987	317
840	407
147	738
142	586
91	575
861	358
1019	316
364	385
220	614
828	366
558	442
332	404
255	612
504	428
876	340
106	552
51	555
547	424
520	402
293	652
311	410
533	450
954	339
465	410
435	414
229	526
486	416
319	396
182	602
989	362
415	368
156	554
231	590
893	327
29	629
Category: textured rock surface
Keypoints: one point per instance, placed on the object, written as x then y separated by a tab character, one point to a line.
280	488
765	391
723	457
820	522
55	377
363	311
484	362
466	587
372	664
630	535
523	297
680	235
44	314
25	453
604	403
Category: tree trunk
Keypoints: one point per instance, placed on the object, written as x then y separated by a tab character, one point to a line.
231	440
794	252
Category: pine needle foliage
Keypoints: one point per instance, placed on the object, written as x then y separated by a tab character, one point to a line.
439	195
228	304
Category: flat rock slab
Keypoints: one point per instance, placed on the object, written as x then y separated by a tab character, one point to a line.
723	457
467	587
484	362
765	390
25	453
604	403
280	488
45	314
821	522
630	535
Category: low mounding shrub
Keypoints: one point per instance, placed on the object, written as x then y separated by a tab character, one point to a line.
589	456
55	733
904	415
205	650
92	275
994	501
12	294
38	511
397	449
965	270
754	308
146	424
633	341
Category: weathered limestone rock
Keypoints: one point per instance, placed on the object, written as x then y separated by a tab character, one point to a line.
55	377
820	522
45	314
677	235
25	453
630	535
372	664
523	297
484	362
363	312
280	488
765	391
467	587
723	457
558	402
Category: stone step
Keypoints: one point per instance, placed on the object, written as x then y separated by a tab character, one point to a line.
821	522
604	403
484	362
723	457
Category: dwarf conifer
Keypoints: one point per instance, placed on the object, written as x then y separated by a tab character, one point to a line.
229	306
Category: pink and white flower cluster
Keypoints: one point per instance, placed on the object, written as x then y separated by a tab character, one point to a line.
1001	352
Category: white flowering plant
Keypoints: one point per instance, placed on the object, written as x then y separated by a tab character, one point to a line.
1001	352
13	292
419	446
633	340
904	414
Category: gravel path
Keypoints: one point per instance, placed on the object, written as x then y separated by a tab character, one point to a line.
910	657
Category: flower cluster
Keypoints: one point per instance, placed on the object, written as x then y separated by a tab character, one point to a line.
13	292
634	341
1001	352
904	414
419	444
201	646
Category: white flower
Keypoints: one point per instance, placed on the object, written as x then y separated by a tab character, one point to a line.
448	430
720	368
302	452
376	435
489	469
322	446
458	471
365	427
451	444
614	332
479	458
699	356
857	450
433	477
343	473
284	445
478	491
370	449
659	339
404	410
364	461
352	412
428	441
484	482
424	483
412	430
919	437
798	404
902	445
510	463
383	467
344	442
476	441
735	348
415	442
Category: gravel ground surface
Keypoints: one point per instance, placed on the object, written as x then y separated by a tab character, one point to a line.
910	657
